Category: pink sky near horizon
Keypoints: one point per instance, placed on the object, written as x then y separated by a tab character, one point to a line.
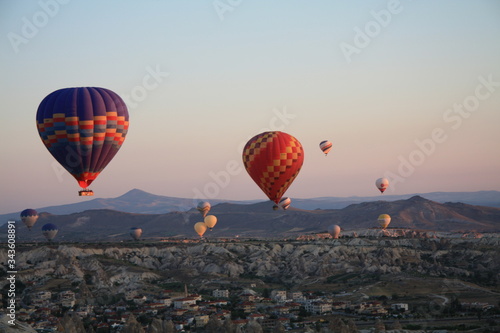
419	103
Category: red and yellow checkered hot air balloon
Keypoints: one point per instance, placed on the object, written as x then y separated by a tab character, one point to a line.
273	160
83	128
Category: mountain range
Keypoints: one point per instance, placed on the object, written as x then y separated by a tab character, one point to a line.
258	219
141	202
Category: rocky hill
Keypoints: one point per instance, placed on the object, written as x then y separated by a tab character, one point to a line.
259	220
119	268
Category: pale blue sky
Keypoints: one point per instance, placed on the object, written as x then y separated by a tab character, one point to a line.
224	76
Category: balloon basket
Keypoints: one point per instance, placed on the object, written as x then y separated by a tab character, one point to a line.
85	193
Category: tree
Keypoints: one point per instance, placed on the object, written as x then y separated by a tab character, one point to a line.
72	324
156	326
169	326
228	326
337	325
278	328
132	325
379	326
352	326
213	325
397	325
253	327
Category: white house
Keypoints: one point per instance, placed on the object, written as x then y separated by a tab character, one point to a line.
220	293
399	306
184	303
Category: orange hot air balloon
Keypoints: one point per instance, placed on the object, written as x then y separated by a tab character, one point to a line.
273	160
210	221
384	220
200	228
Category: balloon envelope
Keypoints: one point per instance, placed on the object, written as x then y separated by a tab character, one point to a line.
200	228
334	230
285	203
382	184
384	220
49	230
83	129
210	221
29	217
325	146
135	233
273	160
203	207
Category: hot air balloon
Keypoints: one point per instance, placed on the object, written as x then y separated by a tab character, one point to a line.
135	233
200	228
382	184
29	217
203	207
83	129
384	220
325	146
273	160
49	230
334	230
285	203
210	221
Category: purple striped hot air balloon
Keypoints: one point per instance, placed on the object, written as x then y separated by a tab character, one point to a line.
83	128
49	230
29	217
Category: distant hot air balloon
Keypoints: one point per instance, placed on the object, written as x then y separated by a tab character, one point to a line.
200	228
273	160
325	146
29	217
334	230
49	230
285	203
384	220
203	207
135	233
382	184
83	128
210	221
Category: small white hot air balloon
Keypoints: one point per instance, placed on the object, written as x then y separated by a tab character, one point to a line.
382	184
203	207
334	230
135	233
